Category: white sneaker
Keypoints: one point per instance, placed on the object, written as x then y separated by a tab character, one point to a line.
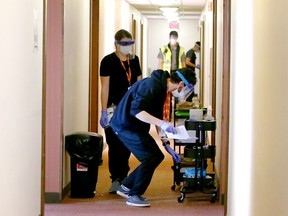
138	201
123	191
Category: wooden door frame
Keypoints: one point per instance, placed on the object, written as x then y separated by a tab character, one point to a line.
94	79
225	103
225	94
202	60
94	68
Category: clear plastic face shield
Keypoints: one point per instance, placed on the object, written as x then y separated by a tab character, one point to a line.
185	92
126	47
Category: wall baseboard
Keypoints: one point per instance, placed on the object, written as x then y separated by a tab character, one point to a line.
222	199
53	197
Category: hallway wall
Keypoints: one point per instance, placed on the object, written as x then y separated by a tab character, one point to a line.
115	15
21	52
257	182
54	98
76	73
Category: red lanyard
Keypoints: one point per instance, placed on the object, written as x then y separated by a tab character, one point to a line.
128	72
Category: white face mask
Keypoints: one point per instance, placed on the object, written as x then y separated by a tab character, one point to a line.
183	94
173	41
176	93
125	49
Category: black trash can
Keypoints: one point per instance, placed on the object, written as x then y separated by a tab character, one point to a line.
85	150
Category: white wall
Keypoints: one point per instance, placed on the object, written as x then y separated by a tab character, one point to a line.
219	76
76	71
207	19
76	65
158	35
20	107
258	176
115	15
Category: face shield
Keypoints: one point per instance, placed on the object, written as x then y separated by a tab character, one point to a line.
185	92
127	47
198	48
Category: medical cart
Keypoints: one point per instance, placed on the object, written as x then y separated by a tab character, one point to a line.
192	171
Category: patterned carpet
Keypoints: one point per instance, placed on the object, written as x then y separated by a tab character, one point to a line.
163	200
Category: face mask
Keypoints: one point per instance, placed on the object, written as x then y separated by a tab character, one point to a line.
125	49
173	41
183	94
176	93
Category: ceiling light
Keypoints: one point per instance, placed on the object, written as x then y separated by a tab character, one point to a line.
168	9
170	13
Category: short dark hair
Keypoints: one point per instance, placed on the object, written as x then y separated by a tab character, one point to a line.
188	73
173	33
122	33
198	44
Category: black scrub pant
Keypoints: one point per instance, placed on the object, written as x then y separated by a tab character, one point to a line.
147	151
118	156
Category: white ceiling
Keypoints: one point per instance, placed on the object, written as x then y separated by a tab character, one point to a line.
186	8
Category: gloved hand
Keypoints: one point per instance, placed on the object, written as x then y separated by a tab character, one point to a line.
168	127
104	119
198	66
174	155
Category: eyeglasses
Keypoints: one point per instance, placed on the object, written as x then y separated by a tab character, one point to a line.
125	43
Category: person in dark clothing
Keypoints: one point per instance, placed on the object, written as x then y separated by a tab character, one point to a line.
118	71
142	106
191	56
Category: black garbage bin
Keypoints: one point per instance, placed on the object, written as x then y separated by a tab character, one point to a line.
85	150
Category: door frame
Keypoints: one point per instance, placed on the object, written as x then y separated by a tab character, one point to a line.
225	103
94	80
94	67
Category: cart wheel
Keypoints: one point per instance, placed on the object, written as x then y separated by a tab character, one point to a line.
181	198
213	198
173	187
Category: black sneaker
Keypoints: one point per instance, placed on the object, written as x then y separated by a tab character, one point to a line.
123	191
138	201
114	187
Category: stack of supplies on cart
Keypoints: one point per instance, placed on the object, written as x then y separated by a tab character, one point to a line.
190	173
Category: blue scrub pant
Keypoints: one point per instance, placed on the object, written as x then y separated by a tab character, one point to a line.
118	156
146	150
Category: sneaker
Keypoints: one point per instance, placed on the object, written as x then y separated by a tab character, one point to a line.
136	200
114	187
123	191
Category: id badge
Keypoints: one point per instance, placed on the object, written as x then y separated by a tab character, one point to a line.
110	111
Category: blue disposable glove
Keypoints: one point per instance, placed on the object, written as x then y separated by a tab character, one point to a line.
174	155
198	66
104	119
168	127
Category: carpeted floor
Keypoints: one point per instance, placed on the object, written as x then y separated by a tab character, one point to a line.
163	200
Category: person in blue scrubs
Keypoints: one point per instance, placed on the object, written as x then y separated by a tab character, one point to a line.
141	107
